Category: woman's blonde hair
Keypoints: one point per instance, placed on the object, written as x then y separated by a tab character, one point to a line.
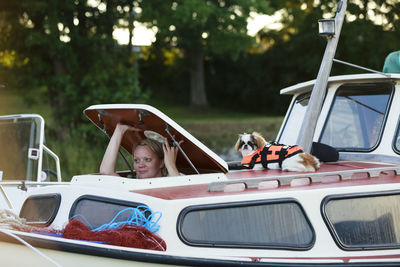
154	146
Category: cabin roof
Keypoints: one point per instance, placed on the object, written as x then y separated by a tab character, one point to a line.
268	180
308	86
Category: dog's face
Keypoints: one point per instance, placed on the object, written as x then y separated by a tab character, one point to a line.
249	143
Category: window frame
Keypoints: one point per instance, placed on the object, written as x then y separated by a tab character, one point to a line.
395	136
347	86
195	243
301	96
55	196
332	230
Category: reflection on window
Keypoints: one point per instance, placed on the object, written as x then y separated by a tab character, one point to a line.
294	120
278	225
356	118
365	222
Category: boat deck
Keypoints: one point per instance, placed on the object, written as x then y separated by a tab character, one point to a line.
329	175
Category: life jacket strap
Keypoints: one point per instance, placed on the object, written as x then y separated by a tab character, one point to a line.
254	160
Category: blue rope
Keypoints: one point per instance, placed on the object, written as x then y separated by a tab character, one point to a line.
137	217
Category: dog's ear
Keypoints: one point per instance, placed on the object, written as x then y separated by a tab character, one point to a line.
237	145
260	140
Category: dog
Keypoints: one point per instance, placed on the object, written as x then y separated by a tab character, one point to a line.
255	149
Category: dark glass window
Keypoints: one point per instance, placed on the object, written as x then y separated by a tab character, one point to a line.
357	116
361	222
40	209
252	224
95	211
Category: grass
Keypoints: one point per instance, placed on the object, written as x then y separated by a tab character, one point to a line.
217	129
12	103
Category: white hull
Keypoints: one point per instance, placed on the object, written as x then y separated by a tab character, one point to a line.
11	255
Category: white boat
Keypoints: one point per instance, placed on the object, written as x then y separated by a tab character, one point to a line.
344	214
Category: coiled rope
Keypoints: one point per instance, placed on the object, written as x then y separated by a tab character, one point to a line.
137	217
10	221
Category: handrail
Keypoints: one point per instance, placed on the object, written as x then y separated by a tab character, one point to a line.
33	183
54	155
315	177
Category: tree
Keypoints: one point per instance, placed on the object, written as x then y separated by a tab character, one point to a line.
368	35
199	28
65	51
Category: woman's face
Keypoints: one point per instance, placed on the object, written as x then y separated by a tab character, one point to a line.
146	163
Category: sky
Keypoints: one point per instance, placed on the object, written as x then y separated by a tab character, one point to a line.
143	36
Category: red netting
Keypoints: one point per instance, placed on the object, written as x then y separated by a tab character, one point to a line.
127	236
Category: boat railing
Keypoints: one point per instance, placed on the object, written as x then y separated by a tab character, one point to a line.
316	177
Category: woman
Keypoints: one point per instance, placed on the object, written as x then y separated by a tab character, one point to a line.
150	158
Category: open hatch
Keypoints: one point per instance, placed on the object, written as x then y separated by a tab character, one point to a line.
193	158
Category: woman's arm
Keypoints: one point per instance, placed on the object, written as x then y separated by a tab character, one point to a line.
107	166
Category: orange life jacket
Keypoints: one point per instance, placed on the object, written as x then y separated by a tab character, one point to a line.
271	153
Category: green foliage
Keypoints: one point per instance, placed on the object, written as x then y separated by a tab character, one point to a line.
202	28
67	48
219	26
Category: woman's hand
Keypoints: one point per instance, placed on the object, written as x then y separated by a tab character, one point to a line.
170	155
122	128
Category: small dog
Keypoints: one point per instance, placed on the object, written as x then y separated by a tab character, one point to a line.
255	150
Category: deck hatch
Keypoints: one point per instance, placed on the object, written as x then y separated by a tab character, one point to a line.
278	224
41	209
362	221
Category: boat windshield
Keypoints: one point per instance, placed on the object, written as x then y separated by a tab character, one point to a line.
291	129
18	137
357	115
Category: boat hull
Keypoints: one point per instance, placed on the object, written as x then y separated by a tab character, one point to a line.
77	253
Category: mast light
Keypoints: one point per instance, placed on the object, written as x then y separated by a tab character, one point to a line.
326	27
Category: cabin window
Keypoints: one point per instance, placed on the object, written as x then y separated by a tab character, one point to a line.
292	127
269	224
95	211
397	139
40	209
364	221
357	117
